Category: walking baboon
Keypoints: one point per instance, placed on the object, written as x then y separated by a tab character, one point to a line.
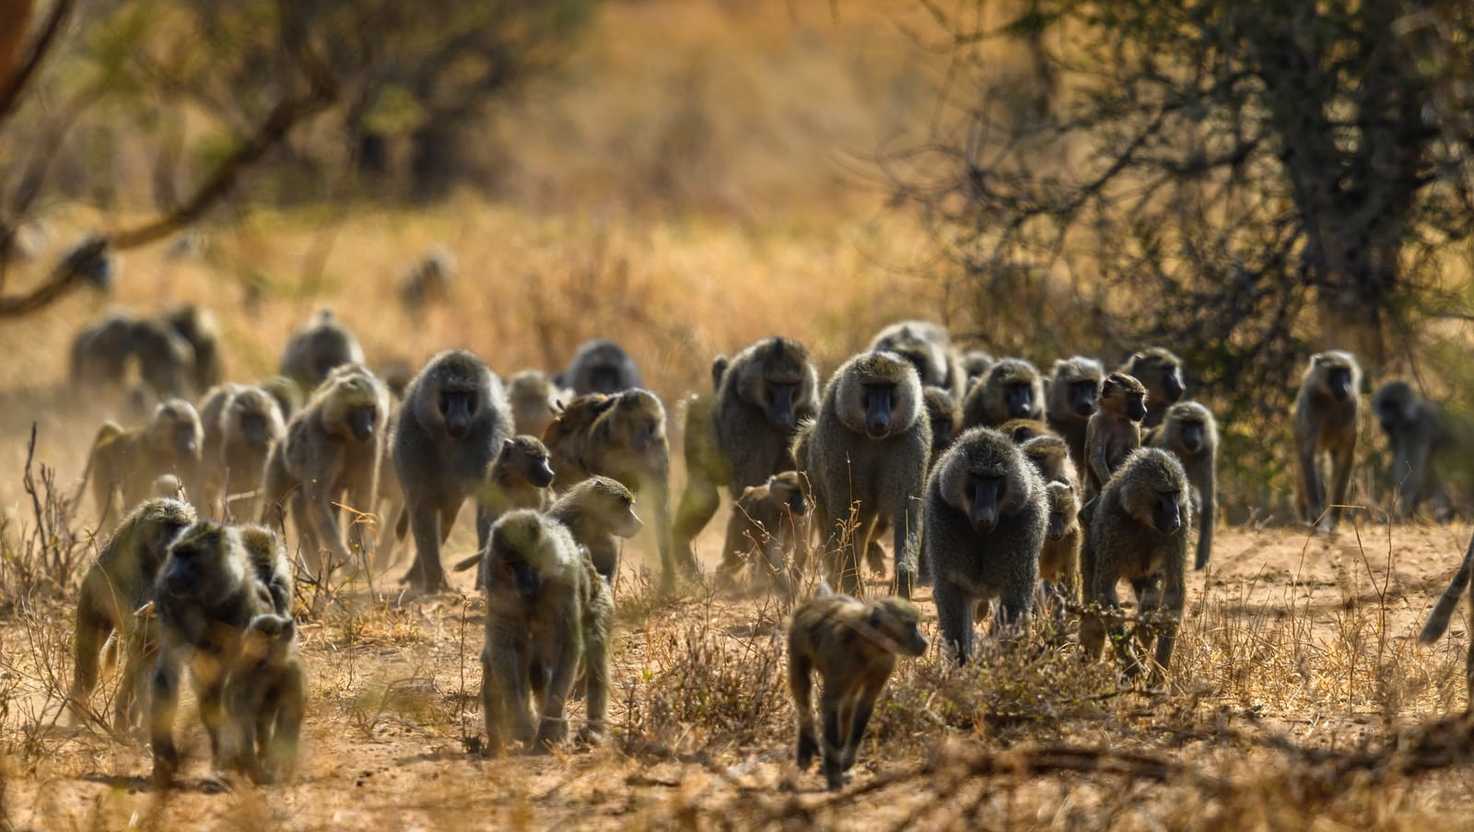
853	644
1138	531
975	364
535	402
428	281
314	350
945	417
986	516
165	359
120	581
928	346
333	446
265	699
548	615
198	328
1074	389
1442	611
1011	389
868	457
241	424
1051	458
521	477
742	434
100	352
454	421
1114	431
1161	372
599	366
1326	424
288	395
1059	557
124	464
1191	434
1416	434
766	519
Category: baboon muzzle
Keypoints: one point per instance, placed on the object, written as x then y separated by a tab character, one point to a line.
1167	519
185	442
1192	438
1173	387
541	475
1341	384
984	510
1020	401
780	406
361	422
1136	409
877	413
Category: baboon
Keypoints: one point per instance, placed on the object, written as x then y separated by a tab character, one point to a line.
1074	389
1114	431
1191	434
214	583
1138	531
945	418
928	346
1022	430
125	463
1417	434
100	352
288	395
535	402
1011	389
1161	372
599	366
332	446
454	421
1059	558
120	581
766	519
742	434
620	436
165	359
521	477
428	281
265	699
1051	458
986	517
1326	411
241	424
396	375
198	328
548	615
314	350
1438	619
975	364
869	453
853	644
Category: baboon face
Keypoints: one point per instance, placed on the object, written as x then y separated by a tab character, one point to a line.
1063	509
257	417
1048	454
1075	387
1154	490
1022	430
1125	395
458	404
639	421
612	503
898	623
1189	427
1336	374
786	491
1160	371
980	478
530	458
1018	396
176	429
1014	383
522	555
354	402
976	364
534	403
201	564
879	394
1396	405
775	381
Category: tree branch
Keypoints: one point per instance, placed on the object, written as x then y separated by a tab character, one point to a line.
10	93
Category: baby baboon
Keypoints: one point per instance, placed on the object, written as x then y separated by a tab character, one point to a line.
241	424
1438	619
1051	458
945	417
1416	434
1139	531
620	436
314	350
198	328
120	581
1059	559
599	366
1161	372
1074	388
265	699
975	364
1191	434
454	421
1012	389
986	517
742	435
766	519
521	477
535	402
868	456
547	614
928	346
125	463
332	446
428	281
1022	430
288	395
853	644
1326	424
1114	431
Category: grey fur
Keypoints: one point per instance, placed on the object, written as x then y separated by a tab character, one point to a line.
1073	395
928	346
1190	432
1326	423
1417	435
599	366
1012	389
241	424
319	346
1161	371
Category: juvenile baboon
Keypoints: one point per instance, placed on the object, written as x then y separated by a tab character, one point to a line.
1051	458
986	517
620	436
1012	389
1417	435
742	435
1161	372
1074	389
120	581
535	402
547	615
1326	424
1059	558
766	519
868	456
975	364
945	417
125	463
241	424
1139	531
1022	430
332	446
198	328
1191	434
521	477
1114	431
928	346
314	350
599	366
853	644
428	281
288	395
1438	619
454	421
265	699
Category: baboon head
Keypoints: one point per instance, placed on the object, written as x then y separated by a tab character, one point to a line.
1050	456
604	366
535	402
786	490
879	394
983	477
635	423
943	414
1074	388
269	639
1154	490
164	358
526	458
1160	371
1398	406
453	392
1190	427
175	430
206	563
254	417
1013	390
396	375
1334	374
608	500
1022	430
154	524
197	326
896	624
287	394
976	364
922	352
526	551
1064	509
777	379
1123	396
354	403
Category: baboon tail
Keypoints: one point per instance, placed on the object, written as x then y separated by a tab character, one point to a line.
467	563
1444	609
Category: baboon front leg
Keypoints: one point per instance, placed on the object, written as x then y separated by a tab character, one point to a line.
954	613
93	628
553	727
426	574
1342	462
830	702
1312	498
163	704
698	505
285	732
801	685
863	708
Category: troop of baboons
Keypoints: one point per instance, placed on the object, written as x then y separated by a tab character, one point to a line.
1004	490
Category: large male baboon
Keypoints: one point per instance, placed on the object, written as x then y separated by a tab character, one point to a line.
1011	389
